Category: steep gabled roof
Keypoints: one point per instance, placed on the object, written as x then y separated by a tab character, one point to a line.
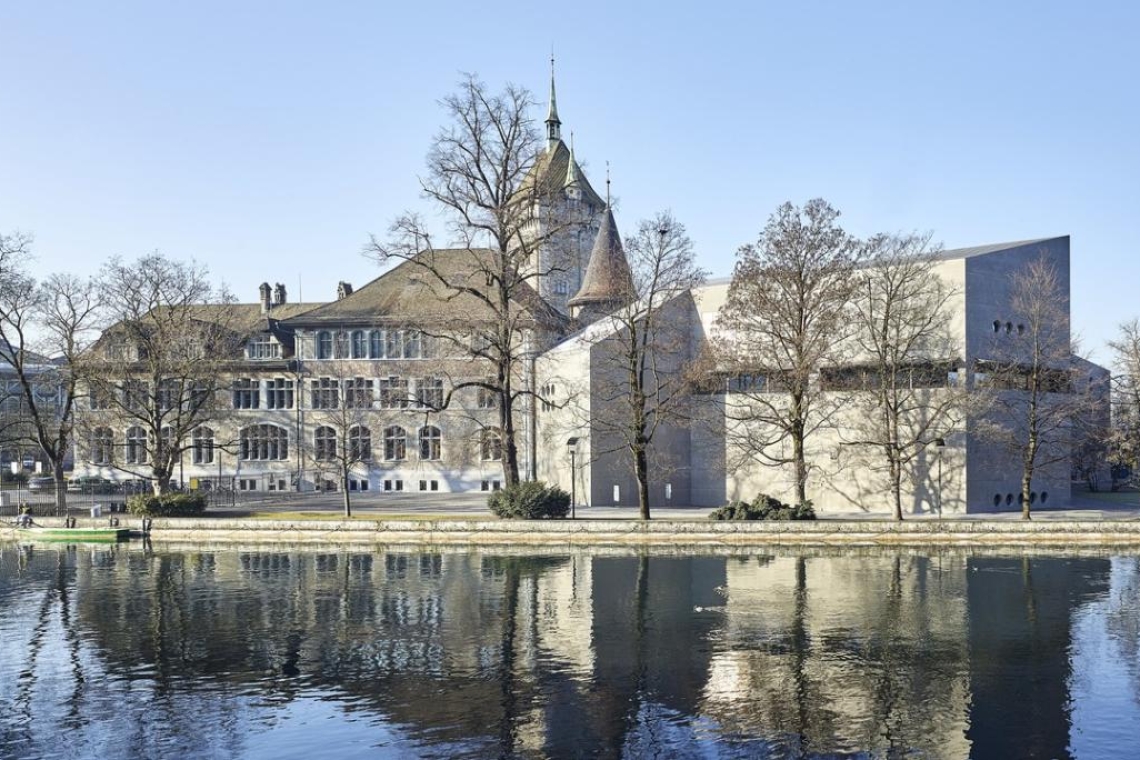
409	293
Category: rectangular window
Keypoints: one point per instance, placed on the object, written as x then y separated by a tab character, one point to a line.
393	393
326	393
263	347
246	393
429	393
99	397
279	393
485	398
357	393
169	394
136	395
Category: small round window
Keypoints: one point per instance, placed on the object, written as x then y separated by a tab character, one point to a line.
997	499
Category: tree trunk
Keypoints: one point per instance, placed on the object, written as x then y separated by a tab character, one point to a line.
801	467
60	489
1026	485
896	485
641	470
347	498
798	455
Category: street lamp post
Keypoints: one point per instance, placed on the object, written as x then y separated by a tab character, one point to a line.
940	445
572	447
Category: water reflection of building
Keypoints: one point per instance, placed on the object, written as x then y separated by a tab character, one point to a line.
584	655
1021	624
844	652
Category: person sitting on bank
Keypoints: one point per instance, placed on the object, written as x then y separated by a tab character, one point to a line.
25	518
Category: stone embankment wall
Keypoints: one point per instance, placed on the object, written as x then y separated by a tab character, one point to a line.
490	532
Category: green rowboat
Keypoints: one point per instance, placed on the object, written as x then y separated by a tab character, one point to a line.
101	535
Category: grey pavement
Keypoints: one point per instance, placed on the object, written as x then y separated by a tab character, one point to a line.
1118	506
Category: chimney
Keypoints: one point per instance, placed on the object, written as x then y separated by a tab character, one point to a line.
343	290
264	290
279	295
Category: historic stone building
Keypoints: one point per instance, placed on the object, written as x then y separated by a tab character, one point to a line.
381	370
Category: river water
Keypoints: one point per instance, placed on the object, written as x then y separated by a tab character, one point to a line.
133	652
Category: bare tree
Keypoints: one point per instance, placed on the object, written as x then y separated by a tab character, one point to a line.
786	316
44	329
341	437
483	176
642	378
1029	387
1124	441
160	368
904	377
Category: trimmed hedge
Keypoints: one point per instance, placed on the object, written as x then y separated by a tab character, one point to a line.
764	507
167	505
530	501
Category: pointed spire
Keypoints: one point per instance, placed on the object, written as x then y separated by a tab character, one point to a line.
553	125
573	171
607	184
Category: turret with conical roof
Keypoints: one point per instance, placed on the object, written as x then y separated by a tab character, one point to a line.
608	284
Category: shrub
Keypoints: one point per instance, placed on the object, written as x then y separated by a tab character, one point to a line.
167	505
530	501
764	507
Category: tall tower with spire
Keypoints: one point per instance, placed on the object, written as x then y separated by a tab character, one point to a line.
568	212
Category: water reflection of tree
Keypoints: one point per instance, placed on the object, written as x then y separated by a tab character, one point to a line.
1123	619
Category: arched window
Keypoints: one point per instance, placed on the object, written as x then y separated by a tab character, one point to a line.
324	345
136	445
359	443
395	444
102	445
430	439
359	345
324	444
263	443
490	445
203	445
376	344
341	347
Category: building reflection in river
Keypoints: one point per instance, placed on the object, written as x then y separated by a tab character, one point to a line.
466	653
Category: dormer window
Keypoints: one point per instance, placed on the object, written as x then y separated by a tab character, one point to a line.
263	347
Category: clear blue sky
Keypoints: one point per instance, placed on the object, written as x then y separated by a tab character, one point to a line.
268	139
